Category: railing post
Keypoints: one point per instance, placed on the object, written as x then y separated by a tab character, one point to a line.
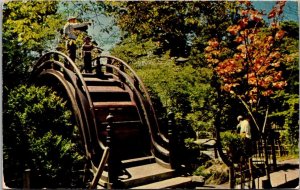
26	179
122	69
100	169
136	83
273	151
98	68
112	167
172	144
56	57
108	69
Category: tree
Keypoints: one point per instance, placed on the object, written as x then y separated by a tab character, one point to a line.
287	115
28	28
147	32
251	70
172	25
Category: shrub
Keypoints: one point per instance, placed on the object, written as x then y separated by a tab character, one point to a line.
37	134
234	145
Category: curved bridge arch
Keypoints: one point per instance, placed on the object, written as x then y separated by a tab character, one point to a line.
114	88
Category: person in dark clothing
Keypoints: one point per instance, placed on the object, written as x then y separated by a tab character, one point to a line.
86	53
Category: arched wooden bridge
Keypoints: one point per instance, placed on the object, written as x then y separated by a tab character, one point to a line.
122	139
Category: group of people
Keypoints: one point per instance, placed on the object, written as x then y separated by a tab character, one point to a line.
87	47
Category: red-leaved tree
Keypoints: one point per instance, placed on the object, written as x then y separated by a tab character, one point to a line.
251	70
250	66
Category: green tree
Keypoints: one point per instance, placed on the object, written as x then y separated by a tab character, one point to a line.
39	134
172	25
149	29
28	28
287	115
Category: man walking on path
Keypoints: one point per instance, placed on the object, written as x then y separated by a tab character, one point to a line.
238	127
245	128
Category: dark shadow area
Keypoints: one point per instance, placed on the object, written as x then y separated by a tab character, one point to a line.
291	184
285	167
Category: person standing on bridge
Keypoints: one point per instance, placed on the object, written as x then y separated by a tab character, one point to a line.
70	34
86	53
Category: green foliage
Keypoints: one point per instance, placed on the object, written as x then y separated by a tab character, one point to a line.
130	50
182	89
37	134
234	145
31	21
28	28
287	115
191	145
191	89
173	25
150	29
200	171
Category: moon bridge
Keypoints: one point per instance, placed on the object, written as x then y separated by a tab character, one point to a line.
113	89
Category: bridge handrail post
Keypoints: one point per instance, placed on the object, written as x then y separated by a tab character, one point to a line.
98	67
122	68
26	179
112	170
172	139
109	61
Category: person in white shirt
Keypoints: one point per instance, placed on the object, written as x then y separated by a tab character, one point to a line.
245	133
246	128
69	32
238	127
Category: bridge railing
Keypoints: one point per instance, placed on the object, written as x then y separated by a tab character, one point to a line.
65	63
116	66
138	84
124	72
129	82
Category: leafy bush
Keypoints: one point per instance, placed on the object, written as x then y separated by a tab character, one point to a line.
37	135
234	145
200	171
214	171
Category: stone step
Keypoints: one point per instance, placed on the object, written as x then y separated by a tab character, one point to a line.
182	182
139	175
144	174
138	161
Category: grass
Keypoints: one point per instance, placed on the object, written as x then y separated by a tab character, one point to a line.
288	157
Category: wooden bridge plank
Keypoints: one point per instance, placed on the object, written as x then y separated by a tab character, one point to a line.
112	104
114	89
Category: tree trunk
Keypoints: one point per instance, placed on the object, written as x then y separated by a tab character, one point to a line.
231	177
267	170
